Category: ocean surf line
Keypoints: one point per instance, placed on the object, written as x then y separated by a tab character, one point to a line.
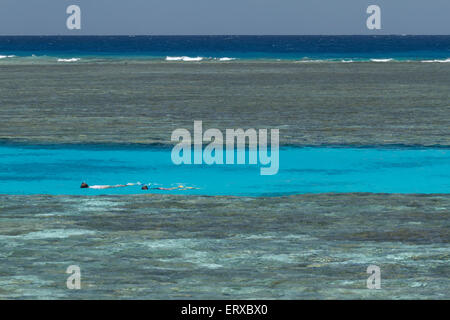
60	169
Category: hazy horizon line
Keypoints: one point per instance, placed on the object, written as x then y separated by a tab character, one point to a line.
216	35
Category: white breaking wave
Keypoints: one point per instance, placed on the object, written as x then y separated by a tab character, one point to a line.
312	61
326	61
184	58
381	60
227	59
4	57
439	61
69	60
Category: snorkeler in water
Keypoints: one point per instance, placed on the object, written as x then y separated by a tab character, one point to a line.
175	188
86	186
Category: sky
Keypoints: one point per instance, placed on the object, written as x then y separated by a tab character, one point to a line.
223	17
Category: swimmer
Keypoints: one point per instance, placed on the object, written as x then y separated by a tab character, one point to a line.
161	188
86	186
175	188
144	188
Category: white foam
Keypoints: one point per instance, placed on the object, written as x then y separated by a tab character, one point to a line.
192	59
184	58
69	60
437	60
381	60
310	61
227	59
4	57
50	234
174	58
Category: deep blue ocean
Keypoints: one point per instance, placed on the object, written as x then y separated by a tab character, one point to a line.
196	48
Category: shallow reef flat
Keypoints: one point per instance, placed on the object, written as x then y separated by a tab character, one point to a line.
197	247
175	247
124	101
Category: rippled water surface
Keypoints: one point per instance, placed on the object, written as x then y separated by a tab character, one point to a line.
92	100
190	247
59	170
